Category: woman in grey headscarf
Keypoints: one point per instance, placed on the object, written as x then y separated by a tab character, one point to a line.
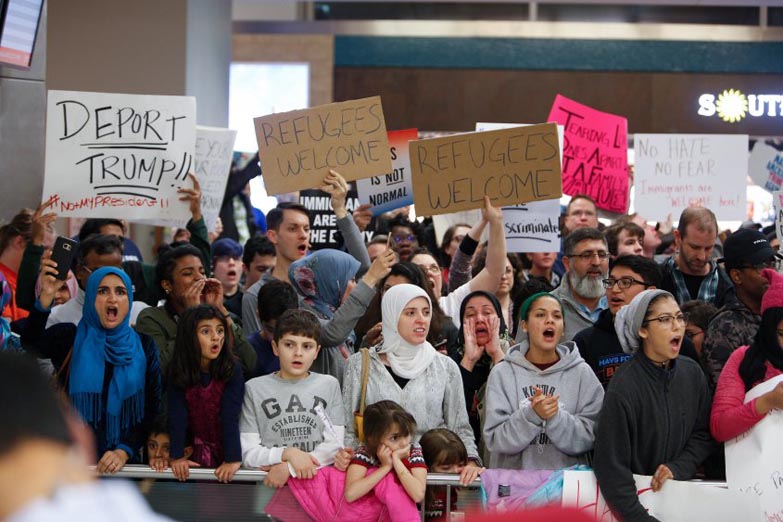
656	412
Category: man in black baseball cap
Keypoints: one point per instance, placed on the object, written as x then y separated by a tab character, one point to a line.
746	253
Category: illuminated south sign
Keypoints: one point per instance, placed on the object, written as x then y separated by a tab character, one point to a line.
732	105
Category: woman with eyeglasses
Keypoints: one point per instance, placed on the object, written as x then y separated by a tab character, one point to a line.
599	344
655	417
749	366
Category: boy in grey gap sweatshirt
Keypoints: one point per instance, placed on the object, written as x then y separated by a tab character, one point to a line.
280	429
514	433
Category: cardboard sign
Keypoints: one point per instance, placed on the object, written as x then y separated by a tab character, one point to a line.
511	166
298	148
595	153
118	155
394	189
754	460
765	166
677	501
675	171
531	227
323	222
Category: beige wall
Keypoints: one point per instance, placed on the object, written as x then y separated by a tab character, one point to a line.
133	46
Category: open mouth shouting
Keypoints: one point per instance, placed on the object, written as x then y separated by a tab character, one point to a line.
482	334
549	334
675	343
302	249
112	314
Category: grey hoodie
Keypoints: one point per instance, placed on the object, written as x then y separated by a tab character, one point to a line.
516	436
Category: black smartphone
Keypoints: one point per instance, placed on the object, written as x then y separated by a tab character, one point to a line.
63	252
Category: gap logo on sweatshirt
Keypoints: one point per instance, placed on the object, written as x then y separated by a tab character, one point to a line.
296	425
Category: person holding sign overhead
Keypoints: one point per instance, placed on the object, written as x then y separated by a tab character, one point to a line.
487	280
289	231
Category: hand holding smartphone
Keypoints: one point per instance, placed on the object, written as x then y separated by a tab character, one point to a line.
63	253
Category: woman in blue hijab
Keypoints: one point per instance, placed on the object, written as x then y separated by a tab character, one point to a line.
323	279
110	373
326	282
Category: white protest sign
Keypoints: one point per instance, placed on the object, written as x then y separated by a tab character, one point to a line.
211	166
754	460
395	189
214	151
677	501
534	226
675	171
777	201
765	166
118	155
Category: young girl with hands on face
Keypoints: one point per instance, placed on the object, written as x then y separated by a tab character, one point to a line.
205	393
543	400
388	449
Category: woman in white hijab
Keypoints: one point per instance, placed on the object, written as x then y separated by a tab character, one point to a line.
406	369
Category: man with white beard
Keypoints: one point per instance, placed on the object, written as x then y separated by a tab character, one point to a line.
586	261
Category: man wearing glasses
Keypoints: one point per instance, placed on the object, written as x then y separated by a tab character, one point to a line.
599	344
581	291
746	254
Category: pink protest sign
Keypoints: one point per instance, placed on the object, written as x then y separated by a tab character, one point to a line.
595	153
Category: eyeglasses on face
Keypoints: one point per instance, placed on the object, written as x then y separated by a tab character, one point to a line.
667	320
623	282
432	269
690	334
589	255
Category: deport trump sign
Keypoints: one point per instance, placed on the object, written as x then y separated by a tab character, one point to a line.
118	155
